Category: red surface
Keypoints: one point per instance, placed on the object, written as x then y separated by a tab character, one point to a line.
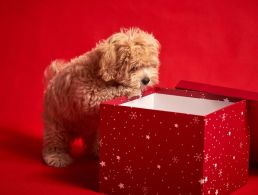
211	42
152	151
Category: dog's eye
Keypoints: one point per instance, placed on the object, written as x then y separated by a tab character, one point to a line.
133	69
154	65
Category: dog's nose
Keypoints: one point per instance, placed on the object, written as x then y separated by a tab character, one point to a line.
145	81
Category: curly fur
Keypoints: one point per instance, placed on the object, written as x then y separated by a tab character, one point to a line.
74	90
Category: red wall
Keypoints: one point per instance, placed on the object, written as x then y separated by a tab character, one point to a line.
208	41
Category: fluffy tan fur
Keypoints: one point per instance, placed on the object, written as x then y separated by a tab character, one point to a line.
123	65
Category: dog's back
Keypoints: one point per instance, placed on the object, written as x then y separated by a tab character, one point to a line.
50	71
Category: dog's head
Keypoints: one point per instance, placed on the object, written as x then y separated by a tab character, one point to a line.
130	58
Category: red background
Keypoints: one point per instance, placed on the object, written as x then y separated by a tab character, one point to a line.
214	42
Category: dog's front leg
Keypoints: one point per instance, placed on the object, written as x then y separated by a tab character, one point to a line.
92	145
129	92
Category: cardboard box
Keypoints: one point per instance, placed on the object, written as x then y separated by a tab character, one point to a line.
252	108
173	142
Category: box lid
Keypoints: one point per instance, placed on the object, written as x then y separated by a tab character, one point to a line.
252	107
224	91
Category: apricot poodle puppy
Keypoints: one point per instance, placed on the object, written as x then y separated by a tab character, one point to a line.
123	65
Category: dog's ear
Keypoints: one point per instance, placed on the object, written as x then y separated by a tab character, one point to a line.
107	61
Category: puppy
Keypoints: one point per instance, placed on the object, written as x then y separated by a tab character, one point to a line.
123	65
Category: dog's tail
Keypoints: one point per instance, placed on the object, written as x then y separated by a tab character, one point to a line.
52	70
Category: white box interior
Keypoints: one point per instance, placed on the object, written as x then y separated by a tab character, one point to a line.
180	104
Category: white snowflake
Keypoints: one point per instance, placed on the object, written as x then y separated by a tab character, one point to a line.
223	116
175	159
198	157
144	190
128	169
202	96
133	115
227	185
147	137
196	120
158	166
201	181
176	125
226	100
118	158
215	165
206	158
206	121
220	173
216	192
100	142
102	163
121	185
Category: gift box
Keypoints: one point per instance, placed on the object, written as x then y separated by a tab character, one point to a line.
173	142
252	108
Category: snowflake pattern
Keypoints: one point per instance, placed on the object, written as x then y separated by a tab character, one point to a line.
175	159
198	157
201	181
206	158
206	121
133	115
220	173
226	100
223	116
196	120
144	190
128	169
116	163
100	142
102	163
121	185
227	185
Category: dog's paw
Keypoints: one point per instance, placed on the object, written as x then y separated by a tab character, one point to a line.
57	159
135	93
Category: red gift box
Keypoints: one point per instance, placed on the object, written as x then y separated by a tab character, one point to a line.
173	142
252	108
